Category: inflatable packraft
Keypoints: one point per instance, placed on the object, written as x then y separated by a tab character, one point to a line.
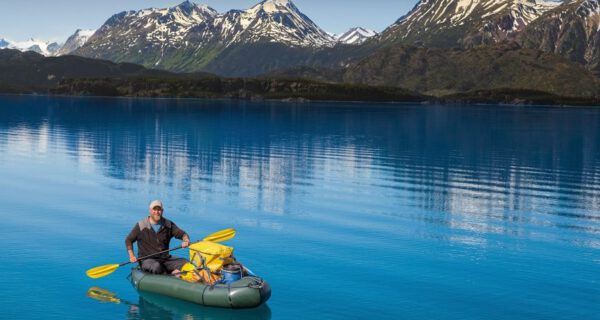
221	281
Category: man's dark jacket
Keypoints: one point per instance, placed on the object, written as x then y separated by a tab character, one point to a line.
150	242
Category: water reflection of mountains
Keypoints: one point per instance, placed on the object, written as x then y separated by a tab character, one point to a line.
450	156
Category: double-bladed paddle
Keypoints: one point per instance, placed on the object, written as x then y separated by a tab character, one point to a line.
102	271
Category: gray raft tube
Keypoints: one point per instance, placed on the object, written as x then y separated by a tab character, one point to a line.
248	292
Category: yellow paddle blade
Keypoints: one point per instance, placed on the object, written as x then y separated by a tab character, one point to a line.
102	295
101	271
222	235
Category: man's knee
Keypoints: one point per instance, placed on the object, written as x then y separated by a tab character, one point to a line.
152	266
175	264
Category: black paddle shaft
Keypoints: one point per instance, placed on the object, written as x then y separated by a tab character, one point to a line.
150	255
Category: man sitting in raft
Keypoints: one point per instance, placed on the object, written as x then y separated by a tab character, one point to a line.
153	235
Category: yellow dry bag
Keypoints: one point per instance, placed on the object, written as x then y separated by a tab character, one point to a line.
211	255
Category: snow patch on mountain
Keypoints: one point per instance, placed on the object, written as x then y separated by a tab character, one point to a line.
272	6
45	48
589	8
355	36
75	41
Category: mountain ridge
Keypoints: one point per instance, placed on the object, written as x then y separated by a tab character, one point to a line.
166	38
495	40
46	48
571	30
464	23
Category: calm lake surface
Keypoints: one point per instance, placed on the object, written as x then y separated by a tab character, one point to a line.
348	210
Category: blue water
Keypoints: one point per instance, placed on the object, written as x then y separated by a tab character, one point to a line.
350	211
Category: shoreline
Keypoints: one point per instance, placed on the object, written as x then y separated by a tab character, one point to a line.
302	101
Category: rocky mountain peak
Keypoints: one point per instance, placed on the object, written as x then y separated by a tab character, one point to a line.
448	23
186	6
278	21
271	6
571	30
75	41
192	9
356	36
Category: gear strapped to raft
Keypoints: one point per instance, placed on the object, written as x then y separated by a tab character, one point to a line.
213	263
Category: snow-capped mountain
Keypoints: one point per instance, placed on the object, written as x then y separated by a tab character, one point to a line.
42	47
152	27
448	23
272	21
571	29
188	36
356	35
75	41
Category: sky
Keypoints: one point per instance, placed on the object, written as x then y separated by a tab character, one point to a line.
55	20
